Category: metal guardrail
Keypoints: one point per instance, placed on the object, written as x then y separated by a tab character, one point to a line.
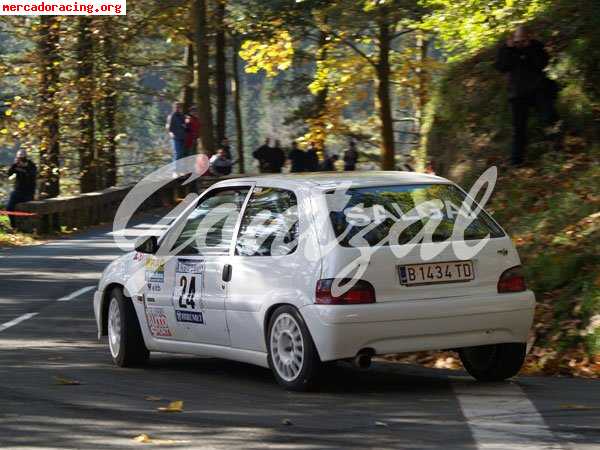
92	208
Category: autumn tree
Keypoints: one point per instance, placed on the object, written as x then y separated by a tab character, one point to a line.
85	105
220	68
203	93
49	71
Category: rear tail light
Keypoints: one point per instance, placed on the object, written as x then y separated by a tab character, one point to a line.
512	280
361	292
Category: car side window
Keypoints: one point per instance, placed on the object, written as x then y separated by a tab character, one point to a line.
208	229
269	226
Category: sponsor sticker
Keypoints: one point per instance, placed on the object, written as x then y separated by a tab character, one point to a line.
189	266
157	322
189	316
155	274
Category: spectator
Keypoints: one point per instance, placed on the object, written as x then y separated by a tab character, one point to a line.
524	59
329	163
262	155
192	132
220	165
24	172
227	147
177	130
350	157
297	158
277	158
311	159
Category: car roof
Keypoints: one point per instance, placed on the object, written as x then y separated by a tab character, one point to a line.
329	180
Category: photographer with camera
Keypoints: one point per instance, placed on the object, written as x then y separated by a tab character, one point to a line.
24	172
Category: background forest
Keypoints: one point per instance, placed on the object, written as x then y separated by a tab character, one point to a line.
411	81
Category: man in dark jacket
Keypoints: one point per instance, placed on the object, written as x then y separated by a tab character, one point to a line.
277	158
524	59
24	172
350	157
311	162
296	157
329	163
263	154
177	127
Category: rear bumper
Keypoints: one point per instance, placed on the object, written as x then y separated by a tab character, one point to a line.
394	327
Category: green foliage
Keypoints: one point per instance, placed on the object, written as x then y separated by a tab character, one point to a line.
467	26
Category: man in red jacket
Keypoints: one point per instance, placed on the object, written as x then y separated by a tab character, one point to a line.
192	131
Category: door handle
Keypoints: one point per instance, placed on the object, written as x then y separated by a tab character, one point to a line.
226	276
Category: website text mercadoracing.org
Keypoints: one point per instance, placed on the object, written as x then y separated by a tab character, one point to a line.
63	7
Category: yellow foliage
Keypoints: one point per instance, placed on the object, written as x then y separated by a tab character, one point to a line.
272	56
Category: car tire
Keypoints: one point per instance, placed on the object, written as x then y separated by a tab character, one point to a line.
292	354
125	339
495	362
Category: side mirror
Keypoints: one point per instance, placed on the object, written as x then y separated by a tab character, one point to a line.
146	244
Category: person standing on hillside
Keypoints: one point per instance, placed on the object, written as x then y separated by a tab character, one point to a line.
296	157
24	172
177	130
350	157
192	131
524	60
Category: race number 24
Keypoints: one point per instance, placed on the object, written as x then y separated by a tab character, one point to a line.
187	291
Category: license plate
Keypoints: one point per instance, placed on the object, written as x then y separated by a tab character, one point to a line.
440	272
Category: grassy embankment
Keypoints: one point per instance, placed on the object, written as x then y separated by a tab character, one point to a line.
551	207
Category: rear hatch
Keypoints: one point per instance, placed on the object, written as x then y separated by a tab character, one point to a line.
415	241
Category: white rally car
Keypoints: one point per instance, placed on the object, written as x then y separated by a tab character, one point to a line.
291	271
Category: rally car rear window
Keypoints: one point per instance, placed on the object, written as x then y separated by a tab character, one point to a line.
384	215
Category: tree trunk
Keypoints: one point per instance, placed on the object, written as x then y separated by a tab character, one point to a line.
108	153
85	113
423	79
321	100
49	113
220	72
383	95
187	93
203	75
236	87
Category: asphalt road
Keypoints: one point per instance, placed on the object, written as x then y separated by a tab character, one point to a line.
232	405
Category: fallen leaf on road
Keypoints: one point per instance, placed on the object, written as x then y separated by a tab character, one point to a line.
176	406
66	382
574	406
152	398
145	439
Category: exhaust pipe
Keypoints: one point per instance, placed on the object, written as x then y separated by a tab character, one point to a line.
362	360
